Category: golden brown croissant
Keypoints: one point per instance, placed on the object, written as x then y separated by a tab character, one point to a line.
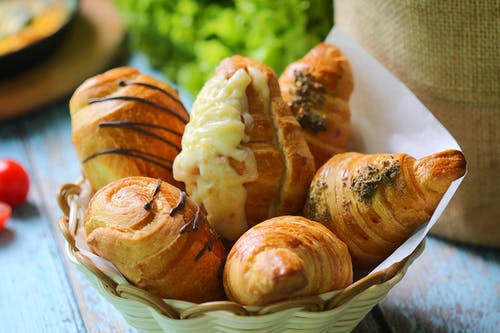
125	123
374	202
244	157
317	88
285	257
156	237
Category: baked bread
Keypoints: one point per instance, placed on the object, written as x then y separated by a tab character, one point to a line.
157	238
125	123
244	158
317	88
374	202
283	258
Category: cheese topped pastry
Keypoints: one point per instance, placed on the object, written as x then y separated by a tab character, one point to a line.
244	158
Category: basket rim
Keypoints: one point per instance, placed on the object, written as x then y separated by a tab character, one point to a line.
67	197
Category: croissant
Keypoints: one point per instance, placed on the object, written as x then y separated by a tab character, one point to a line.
374	202
157	238
317	88
244	157
285	257
125	123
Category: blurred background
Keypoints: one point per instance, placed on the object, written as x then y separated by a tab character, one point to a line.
56	44
186	39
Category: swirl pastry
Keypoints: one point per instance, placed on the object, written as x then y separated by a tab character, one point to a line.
317	88
285	257
125	123
156	237
374	202
244	158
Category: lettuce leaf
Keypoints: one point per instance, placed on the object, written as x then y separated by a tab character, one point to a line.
186	39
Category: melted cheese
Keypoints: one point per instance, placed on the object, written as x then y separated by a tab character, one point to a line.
259	82
214	133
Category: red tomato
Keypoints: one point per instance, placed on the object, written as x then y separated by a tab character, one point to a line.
5	212
14	183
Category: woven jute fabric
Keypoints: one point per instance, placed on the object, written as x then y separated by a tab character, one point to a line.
448	53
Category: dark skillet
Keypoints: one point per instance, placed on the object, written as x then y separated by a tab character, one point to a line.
25	58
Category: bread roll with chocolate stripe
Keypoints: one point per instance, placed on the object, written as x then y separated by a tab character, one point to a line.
157	238
125	123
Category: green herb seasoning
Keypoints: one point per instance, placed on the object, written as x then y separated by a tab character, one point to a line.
369	178
308	93
318	209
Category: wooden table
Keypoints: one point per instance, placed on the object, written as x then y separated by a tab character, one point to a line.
450	288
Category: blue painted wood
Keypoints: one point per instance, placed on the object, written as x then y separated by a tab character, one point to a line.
42	142
55	162
33	283
450	288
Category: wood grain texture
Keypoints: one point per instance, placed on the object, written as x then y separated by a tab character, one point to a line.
34	286
44	138
450	288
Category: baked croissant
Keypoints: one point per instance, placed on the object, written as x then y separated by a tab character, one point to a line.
125	123
285	257
374	202
317	88
157	238
244	158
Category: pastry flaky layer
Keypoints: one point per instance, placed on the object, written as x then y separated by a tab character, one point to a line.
374	202
244	157
157	238
317	88
286	257
125	123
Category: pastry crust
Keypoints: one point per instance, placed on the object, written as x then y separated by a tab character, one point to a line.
167	249
279	167
374	202
317	88
125	123
283	258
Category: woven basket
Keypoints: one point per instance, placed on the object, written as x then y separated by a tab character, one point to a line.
338	311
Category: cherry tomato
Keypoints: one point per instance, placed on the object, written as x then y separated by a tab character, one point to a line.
5	212
14	182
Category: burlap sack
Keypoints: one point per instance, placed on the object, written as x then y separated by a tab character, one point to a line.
448	53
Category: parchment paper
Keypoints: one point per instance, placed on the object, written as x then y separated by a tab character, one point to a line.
388	118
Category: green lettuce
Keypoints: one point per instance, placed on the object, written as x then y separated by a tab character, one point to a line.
187	39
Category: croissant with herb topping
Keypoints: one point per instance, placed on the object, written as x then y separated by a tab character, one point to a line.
374	202
157	237
317	88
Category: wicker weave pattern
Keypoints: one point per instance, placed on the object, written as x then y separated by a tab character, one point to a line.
330	312
340	319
